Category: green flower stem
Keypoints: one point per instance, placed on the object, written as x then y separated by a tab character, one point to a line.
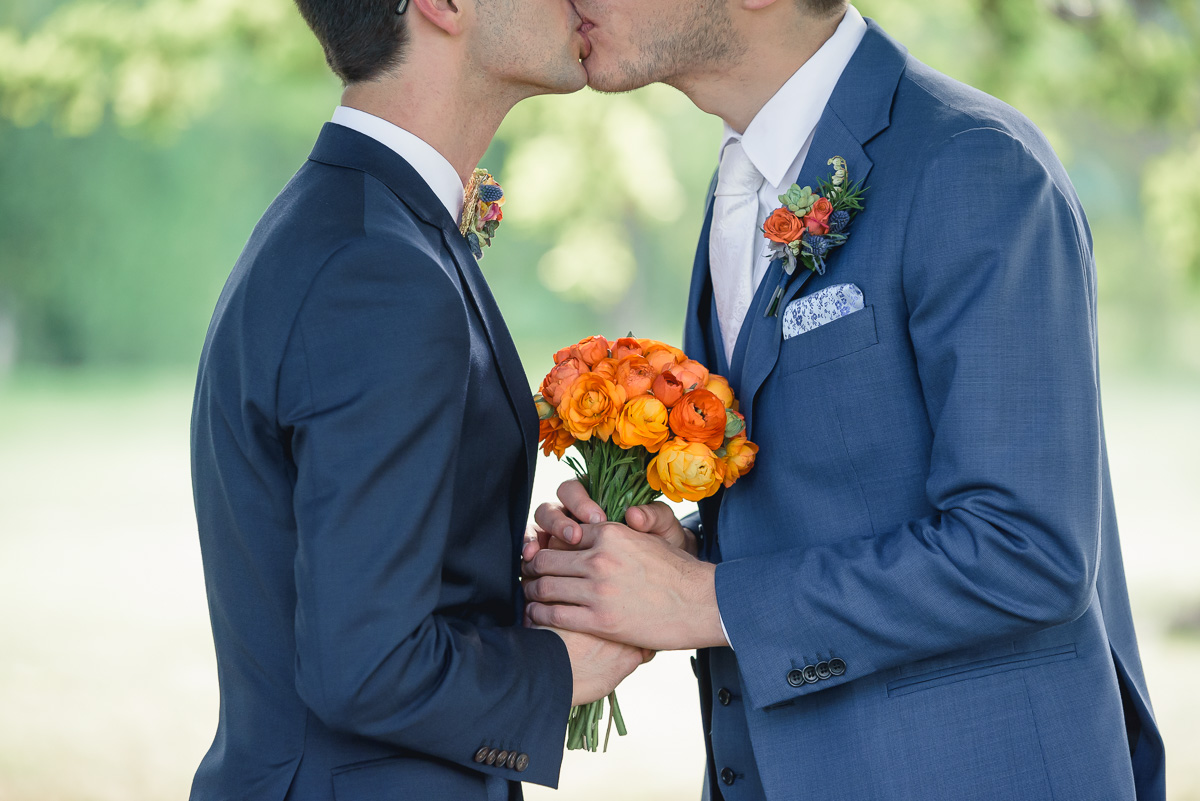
616	479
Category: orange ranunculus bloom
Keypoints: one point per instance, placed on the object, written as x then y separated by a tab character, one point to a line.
783	227
606	367
635	375
570	352
592	350
643	421
554	438
719	386
560	378
591	407
626	346
739	458
700	417
817	219
685	471
667	388
691	374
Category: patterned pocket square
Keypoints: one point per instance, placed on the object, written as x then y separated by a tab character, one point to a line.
812	311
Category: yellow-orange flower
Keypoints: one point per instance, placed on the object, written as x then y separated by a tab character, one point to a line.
783	227
685	471
635	375
591	407
663	357
560	378
691	373
554	438
739	458
700	417
718	386
643	422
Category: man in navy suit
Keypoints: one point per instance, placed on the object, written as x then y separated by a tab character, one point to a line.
363	442
917	593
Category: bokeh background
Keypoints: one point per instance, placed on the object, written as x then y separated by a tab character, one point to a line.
140	141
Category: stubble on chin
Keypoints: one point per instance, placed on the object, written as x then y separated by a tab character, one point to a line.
692	45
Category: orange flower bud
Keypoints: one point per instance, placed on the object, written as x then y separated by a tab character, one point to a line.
606	367
635	375
700	417
626	346
554	438
560	378
591	407
667	388
592	350
685	471
739	458
643	422
691	374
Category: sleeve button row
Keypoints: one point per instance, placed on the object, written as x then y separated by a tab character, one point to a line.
502	759
811	674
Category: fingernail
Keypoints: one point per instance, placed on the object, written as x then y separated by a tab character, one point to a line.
597	517
569	533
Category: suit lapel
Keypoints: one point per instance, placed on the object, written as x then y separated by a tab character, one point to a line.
700	323
858	111
343	147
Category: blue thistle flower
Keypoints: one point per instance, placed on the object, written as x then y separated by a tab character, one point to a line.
838	221
490	193
817	246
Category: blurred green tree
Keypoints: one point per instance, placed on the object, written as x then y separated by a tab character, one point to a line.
609	186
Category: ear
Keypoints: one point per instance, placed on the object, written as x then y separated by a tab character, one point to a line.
444	14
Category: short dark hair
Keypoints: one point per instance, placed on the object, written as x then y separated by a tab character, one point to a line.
363	39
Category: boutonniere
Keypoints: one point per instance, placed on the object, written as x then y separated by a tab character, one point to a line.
482	211
811	224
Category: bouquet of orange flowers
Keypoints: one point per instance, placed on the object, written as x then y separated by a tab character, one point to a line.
647	421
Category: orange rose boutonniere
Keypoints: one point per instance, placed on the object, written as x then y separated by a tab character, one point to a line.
810	224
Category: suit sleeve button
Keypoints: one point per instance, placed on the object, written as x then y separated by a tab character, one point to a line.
810	674
795	678
823	671
481	754
522	763
837	667
501	758
511	761
491	756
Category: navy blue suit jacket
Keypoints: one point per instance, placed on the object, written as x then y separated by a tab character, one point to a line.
363	441
931	512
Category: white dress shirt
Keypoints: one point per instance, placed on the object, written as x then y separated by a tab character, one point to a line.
778	138
431	165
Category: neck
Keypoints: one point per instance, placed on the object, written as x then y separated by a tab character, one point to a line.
437	101
737	90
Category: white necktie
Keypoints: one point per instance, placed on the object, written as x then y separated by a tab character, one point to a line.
731	243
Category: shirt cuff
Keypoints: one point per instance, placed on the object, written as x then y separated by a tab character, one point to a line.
724	630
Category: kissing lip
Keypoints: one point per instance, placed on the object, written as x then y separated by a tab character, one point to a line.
582	30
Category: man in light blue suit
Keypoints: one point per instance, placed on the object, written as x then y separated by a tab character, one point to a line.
917	592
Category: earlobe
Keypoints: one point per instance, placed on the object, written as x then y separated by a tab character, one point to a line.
443	14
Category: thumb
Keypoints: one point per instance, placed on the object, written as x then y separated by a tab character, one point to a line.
654	518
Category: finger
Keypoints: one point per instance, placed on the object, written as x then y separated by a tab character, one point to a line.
557	590
578	503
558	616
554	521
654	518
648	654
549	562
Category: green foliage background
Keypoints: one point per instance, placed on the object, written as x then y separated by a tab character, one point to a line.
139	142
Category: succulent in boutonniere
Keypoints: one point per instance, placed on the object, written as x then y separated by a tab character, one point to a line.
811	224
482	211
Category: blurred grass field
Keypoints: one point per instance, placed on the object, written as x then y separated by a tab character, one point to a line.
107	681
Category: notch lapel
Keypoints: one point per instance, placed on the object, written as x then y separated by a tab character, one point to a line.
858	110
700	322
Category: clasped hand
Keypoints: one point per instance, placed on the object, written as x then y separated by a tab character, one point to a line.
639	584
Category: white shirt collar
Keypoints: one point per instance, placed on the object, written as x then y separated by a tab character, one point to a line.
431	165
782	127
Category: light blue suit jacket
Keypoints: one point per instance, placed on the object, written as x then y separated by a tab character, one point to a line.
931	511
